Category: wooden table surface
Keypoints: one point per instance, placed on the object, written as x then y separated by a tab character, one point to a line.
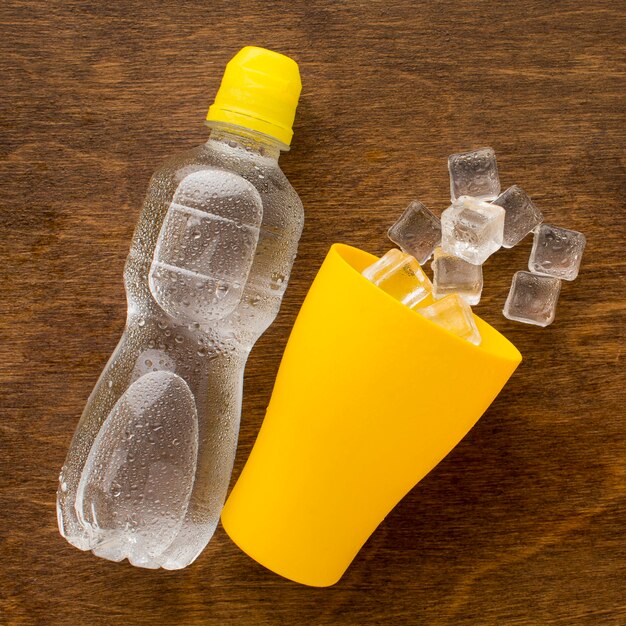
524	522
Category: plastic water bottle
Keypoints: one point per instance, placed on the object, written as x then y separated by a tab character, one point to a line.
148	468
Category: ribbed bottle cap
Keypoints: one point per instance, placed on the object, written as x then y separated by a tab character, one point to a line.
259	91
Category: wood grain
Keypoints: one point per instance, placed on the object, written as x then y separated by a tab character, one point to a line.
524	522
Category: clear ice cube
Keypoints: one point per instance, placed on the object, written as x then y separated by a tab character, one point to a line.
417	232
521	215
474	174
556	252
455	315
472	229
454	275
401	276
532	299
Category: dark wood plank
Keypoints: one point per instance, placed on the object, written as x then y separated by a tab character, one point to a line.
523	523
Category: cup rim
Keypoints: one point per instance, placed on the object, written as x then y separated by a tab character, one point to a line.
493	342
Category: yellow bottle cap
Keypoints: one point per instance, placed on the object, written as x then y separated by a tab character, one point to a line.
259	91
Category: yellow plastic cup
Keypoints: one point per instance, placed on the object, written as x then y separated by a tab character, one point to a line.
369	397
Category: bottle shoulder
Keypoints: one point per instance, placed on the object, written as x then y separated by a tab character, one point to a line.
212	155
264	173
282	211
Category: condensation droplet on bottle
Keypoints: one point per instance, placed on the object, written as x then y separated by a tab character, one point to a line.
276	280
221	290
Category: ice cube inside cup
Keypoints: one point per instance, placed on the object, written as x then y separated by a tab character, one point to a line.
417	232
454	275
401	276
455	315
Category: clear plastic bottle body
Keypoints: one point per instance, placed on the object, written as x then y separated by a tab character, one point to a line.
133	484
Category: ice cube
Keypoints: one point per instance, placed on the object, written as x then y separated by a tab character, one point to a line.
472	229
532	299
401	276
474	174
417	232
521	215
455	315
454	275
556	252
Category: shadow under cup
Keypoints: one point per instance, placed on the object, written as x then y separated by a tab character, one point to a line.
369	397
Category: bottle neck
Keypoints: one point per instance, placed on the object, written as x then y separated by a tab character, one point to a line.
240	138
